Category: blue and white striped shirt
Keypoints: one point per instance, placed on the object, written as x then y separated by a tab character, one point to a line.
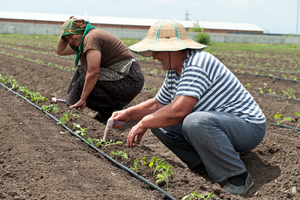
217	89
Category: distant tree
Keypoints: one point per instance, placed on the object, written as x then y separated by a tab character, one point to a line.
196	27
202	38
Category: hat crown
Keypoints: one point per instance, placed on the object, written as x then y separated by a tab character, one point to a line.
165	36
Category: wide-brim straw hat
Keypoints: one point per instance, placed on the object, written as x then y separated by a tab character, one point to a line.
165	36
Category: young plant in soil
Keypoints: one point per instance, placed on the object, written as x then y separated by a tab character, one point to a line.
278	119
247	86
199	196
51	107
289	93
101	142
81	131
298	114
65	117
121	154
164	176
137	161
154	71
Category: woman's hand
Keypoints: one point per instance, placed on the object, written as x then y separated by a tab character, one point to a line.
80	105
135	131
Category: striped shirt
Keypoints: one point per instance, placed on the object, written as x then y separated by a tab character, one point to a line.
217	89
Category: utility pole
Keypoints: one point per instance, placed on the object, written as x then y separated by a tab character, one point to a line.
297	18
187	15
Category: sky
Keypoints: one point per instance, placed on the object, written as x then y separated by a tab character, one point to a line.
273	16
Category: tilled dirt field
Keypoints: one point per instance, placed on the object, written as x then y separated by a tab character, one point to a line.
39	159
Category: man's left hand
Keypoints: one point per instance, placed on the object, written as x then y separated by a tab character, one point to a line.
135	131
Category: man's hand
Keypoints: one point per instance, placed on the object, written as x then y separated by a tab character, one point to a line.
135	131
80	105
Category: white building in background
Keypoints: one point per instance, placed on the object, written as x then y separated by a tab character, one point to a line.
123	22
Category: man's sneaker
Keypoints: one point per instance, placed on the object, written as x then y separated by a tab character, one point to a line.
239	190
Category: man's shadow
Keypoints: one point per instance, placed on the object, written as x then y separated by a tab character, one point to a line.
261	172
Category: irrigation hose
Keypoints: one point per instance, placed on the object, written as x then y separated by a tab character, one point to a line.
95	148
284	79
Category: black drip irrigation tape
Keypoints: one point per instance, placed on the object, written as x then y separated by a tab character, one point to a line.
284	79
290	127
272	95
95	148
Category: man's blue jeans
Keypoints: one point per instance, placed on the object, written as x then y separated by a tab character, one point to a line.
213	138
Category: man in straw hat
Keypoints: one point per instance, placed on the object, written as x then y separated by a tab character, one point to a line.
202	113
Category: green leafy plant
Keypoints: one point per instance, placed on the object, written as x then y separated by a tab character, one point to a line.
81	131
154	71
137	161
101	142
298	114
247	85
154	89
51	107
164	176
278	118
289	93
65	117
119	153
203	38
111	142
270	91
199	196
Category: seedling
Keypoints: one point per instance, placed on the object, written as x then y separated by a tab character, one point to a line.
90	140
136	166
111	142
154	71
100	142
298	119
119	153
81	130
247	86
289	93
51	107
199	196
270	91
66	117
261	90
137	161
154	89
278	118
164	176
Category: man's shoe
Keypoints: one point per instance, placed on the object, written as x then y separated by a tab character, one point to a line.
239	190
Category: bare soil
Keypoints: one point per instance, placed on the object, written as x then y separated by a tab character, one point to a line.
40	159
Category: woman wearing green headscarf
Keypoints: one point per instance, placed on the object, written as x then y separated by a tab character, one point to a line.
107	77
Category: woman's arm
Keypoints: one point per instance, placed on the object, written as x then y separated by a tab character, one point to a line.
93	58
63	48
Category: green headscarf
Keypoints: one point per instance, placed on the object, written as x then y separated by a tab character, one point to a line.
76	26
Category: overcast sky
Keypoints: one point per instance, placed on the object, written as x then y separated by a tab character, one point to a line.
274	16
